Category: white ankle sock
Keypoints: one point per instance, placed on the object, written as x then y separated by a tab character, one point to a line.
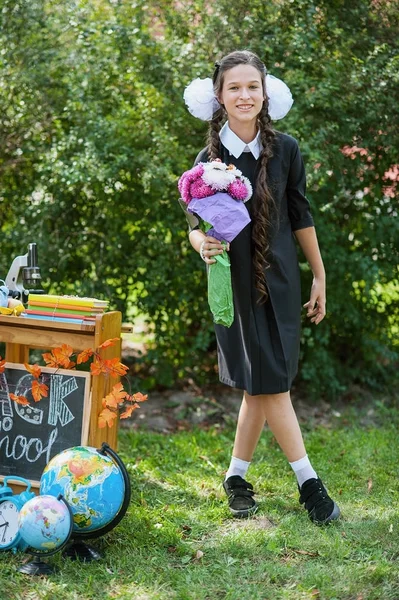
237	467
303	470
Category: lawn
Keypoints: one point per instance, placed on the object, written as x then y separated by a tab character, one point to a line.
178	540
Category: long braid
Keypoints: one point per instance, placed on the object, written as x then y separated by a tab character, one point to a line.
213	134
263	205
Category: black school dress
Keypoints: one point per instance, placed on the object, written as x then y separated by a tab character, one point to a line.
259	352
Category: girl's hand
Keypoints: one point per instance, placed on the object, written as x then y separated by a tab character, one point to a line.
210	246
317	303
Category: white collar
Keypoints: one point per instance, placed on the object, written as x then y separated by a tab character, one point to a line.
236	146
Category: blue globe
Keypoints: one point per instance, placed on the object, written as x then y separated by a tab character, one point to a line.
91	483
45	523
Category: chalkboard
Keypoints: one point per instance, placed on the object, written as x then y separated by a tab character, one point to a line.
31	435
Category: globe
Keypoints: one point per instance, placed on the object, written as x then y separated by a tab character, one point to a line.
94	485
45	523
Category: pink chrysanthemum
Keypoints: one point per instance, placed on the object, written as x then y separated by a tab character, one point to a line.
238	190
199	189
187	179
184	188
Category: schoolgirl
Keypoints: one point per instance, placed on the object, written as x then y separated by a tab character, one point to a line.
259	352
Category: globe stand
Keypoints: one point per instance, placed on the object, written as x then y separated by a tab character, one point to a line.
81	551
78	549
37	567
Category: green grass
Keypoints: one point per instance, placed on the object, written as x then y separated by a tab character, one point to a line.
178	540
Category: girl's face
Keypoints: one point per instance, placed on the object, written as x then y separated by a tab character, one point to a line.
242	94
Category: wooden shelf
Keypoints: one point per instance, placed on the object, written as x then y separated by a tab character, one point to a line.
20	334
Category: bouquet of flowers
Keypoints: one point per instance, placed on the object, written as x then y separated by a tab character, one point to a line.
216	193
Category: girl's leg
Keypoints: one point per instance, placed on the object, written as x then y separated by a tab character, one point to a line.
283	423
251	420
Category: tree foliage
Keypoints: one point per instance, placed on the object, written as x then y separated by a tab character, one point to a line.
94	135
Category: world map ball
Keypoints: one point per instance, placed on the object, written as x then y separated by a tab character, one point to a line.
45	523
92	484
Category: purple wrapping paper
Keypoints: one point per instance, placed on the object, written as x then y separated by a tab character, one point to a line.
227	216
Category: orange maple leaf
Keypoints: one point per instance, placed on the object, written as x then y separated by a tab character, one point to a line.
128	411
106	417
114	367
109	343
62	355
138	397
39	390
19	399
70	365
34	370
50	359
84	356
97	367
2	365
115	397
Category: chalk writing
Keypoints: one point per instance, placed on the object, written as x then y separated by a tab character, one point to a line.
58	391
30	449
6	408
30	414
31	435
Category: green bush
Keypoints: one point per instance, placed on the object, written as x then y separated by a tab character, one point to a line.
95	135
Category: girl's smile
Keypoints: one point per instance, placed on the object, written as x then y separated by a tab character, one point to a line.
244	107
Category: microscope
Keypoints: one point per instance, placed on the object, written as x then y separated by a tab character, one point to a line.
24	275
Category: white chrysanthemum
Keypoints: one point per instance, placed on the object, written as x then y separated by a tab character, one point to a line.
215	164
200	99
217	178
249	188
236	172
280	97
221	166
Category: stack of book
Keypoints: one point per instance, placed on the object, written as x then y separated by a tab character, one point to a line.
64	309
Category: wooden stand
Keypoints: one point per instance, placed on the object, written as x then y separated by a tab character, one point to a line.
20	334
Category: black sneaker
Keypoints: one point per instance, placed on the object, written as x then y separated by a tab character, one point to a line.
321	508
240	494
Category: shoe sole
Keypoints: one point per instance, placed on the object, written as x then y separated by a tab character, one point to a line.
242	514
333	517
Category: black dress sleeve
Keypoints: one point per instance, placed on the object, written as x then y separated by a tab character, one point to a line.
192	220
298	205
